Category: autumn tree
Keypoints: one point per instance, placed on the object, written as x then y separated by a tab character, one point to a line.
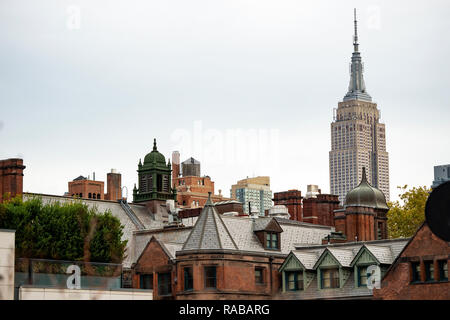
406	215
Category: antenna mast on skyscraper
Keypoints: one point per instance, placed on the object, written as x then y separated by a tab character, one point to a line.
355	37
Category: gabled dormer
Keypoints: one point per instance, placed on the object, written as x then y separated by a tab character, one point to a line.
295	274
268	231
333	268
369	255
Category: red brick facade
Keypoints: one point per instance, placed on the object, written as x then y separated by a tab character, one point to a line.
319	210
193	191
11	178
235	274
113	186
398	282
292	199
87	189
361	223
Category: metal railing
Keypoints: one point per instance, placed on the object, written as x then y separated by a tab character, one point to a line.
55	273
126	207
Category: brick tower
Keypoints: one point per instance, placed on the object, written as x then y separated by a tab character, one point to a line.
364	216
11	178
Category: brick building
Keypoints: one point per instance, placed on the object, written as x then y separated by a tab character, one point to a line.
83	187
11	178
221	256
320	209
292	199
315	208
335	271
192	188
364	216
420	270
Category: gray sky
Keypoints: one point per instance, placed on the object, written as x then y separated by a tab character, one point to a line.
246	87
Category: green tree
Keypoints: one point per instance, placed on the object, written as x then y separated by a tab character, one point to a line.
406	215
63	231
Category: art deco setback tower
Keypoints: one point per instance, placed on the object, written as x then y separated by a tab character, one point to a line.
357	137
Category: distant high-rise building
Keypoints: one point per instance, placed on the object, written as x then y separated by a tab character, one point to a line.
253	193
441	175
358	139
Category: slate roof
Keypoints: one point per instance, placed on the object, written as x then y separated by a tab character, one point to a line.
385	251
343	256
209	231
307	259
294	233
383	254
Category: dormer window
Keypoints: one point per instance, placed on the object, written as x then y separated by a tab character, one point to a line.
272	240
329	278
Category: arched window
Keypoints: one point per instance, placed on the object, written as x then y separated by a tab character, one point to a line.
81	195
90	196
98	195
94	196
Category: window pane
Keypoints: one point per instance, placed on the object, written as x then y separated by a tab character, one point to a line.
259	275
415	266
188	279
146	281
164	284
210	277
443	270
429	270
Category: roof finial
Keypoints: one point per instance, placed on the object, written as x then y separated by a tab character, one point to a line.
154	145
364	178
355	37
209	202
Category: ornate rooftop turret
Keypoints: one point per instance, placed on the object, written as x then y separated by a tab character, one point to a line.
357	87
154	178
364	195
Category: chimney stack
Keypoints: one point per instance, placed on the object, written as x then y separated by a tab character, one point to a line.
113	185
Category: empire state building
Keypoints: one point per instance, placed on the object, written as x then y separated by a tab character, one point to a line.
358	139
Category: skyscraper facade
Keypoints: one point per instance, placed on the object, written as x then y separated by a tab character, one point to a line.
357	137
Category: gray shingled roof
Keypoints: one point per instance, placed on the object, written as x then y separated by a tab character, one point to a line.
344	256
307	259
383	254
384	251
209	232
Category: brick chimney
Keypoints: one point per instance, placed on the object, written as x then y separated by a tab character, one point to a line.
113	185
11	178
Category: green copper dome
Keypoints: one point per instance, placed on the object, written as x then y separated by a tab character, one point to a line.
364	195
154	156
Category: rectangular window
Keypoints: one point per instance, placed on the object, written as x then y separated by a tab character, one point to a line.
146	281
259	275
429	271
164	284
415	269
362	276
443	270
329	278
294	281
272	240
188	279
210	277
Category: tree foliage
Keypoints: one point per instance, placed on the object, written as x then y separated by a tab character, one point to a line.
405	216
63	231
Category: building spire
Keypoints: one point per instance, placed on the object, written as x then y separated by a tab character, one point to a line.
357	87
154	145
355	37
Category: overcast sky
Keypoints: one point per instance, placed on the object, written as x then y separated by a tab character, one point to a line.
246	87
